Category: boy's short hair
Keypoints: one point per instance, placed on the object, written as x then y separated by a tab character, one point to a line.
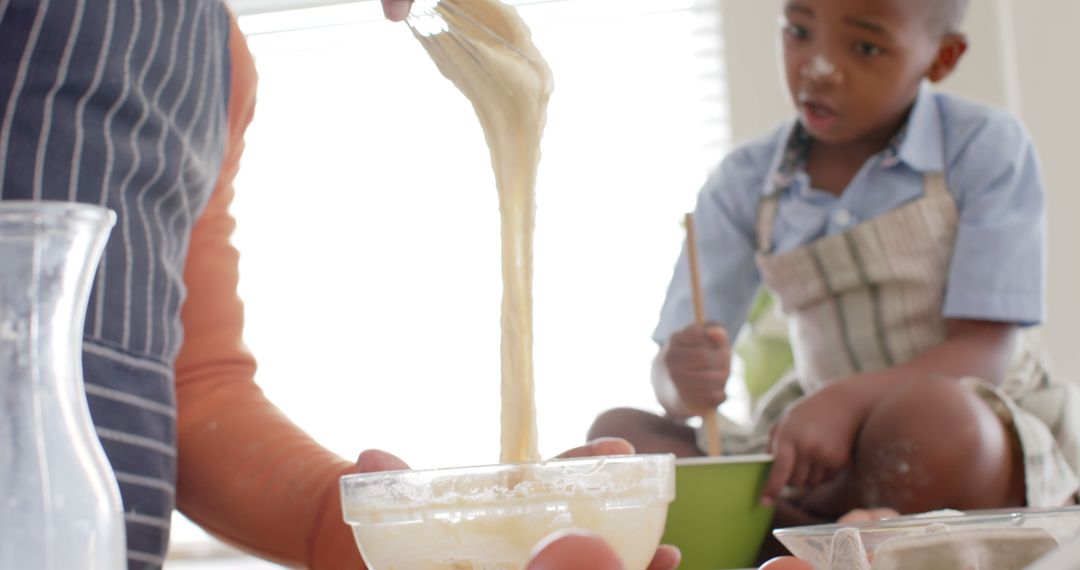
947	16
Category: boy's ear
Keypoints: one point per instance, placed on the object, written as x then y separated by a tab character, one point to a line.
952	48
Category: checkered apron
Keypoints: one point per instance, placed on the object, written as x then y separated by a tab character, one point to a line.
870	298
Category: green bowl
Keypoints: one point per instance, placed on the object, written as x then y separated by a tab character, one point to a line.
717	519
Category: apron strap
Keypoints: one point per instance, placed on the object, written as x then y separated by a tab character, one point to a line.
934	184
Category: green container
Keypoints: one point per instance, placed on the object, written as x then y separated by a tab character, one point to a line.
717	519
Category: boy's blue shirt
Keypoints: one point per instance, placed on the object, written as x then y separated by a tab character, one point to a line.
997	267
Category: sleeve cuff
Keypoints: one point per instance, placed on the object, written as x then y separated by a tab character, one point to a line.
1024	310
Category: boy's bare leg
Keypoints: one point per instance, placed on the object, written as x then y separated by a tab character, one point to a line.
648	432
930	445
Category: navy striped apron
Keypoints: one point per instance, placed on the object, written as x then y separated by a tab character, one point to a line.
122	103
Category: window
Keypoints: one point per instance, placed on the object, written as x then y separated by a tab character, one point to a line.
368	220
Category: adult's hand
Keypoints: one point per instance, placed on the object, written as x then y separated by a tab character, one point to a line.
579	550
396	10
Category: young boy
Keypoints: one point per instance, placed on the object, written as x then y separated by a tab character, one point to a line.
902	233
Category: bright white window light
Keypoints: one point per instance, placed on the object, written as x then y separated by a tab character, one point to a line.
368	222
369	231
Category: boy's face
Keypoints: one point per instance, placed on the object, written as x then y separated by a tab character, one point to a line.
853	67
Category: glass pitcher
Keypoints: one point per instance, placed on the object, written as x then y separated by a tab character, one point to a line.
59	501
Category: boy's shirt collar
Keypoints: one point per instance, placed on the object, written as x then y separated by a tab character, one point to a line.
923	144
917	144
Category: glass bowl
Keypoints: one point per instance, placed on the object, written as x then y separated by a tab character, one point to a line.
812	543
491	517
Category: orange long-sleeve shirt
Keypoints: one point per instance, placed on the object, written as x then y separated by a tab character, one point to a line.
245	472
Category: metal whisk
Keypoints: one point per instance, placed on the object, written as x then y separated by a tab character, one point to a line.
448	26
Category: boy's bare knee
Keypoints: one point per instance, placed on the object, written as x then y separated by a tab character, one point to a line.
934	444
649	433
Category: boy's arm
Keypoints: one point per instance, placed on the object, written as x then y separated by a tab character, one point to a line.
982	349
997	270
664	388
245	472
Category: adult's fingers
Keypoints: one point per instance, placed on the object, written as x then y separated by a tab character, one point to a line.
667	558
396	10
867	515
377	460
574	550
600	446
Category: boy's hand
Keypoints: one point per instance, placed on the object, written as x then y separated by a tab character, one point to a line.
699	359
813	441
